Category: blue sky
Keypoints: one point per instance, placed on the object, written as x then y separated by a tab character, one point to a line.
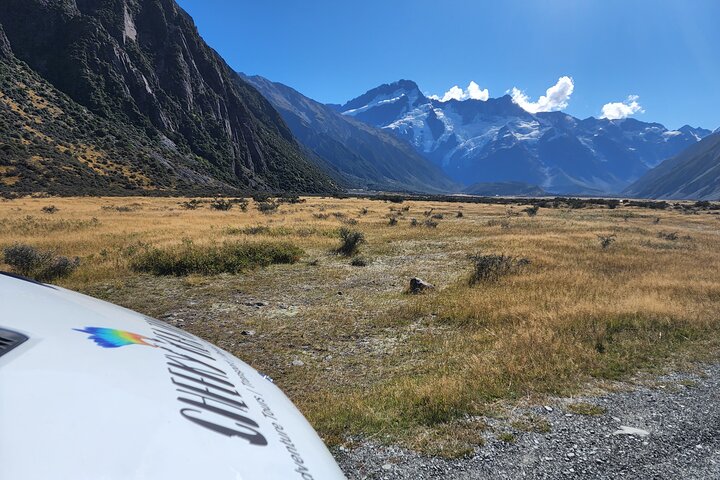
665	52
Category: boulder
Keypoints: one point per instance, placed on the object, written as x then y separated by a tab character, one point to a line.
417	285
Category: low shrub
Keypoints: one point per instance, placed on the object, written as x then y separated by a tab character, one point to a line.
221	204
350	241
360	262
393	221
267	207
489	268
193	204
430	223
459	215
532	211
41	265
672	236
606	241
235	257
50	209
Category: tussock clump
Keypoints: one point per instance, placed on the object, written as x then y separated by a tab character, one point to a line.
584	408
121	208
255	230
414	222
321	216
350	241
489	268
430	223
606	240
360	262
221	204
672	236
532	211
267	207
189	258
41	265
50	209
193	204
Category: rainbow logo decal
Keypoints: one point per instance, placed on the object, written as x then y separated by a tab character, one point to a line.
111	338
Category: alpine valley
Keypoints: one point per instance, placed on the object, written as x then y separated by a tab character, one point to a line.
124	96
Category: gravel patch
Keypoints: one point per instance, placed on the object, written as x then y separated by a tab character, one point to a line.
668	429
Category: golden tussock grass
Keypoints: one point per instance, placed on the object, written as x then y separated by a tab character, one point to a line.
416	369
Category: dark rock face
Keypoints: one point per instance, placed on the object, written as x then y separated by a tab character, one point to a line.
5	50
143	62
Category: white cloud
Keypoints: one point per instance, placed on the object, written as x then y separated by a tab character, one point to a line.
620	110
473	92
555	98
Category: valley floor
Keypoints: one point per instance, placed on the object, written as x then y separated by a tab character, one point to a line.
459	372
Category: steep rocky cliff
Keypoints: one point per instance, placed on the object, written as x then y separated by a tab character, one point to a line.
142	64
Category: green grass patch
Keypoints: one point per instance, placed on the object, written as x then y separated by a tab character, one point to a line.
231	257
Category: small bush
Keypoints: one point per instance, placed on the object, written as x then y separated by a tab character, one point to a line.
189	258
363	211
350	241
606	241
360	262
393	221
672	236
489	268
50	209
438	216
43	266
193	204
459	215
221	204
267	207
430	223
414	222
532	211
349	221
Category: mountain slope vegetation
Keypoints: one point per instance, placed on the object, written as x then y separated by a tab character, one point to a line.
141	65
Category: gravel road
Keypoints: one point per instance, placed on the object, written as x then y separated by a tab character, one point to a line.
679	413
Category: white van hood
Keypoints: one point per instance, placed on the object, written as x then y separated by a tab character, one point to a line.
100	392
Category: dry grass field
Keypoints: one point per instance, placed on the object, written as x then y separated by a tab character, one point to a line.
362	357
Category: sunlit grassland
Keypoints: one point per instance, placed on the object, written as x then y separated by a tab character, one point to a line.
421	370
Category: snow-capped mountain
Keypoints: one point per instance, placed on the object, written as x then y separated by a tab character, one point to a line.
497	141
